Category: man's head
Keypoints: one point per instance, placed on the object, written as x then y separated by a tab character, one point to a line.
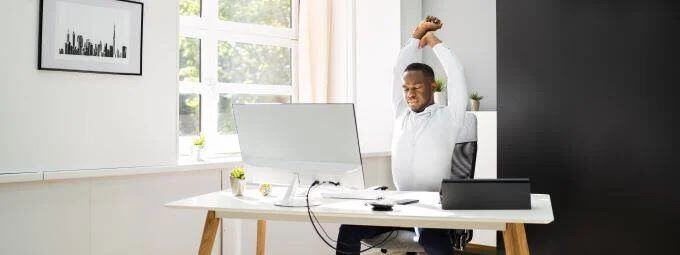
418	85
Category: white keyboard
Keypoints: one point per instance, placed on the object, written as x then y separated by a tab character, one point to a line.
353	194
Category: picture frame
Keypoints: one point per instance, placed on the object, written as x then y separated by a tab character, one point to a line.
92	36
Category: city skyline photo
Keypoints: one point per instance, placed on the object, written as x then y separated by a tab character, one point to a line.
77	44
91	33
97	36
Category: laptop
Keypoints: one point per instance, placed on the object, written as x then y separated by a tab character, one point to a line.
485	194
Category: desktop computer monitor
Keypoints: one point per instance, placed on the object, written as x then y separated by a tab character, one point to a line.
318	140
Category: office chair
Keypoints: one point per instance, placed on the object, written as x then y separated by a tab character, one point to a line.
462	167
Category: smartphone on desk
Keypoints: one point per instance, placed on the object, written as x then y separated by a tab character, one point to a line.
405	201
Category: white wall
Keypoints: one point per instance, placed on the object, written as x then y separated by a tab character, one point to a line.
52	120
470	31
411	15
378	33
115	215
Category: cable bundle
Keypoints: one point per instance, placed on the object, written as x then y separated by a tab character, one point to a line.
315	221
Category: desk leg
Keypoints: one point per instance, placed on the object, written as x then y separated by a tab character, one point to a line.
261	233
515	239
209	232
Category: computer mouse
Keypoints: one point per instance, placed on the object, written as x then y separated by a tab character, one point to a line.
381	206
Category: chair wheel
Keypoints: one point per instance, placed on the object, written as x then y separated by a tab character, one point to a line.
384	251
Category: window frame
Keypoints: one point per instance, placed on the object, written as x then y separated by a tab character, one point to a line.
211	30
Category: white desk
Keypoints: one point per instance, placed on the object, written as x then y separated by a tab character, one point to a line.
427	213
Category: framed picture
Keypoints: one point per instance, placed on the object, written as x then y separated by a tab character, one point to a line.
97	36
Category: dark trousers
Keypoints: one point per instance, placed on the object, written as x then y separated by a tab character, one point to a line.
434	241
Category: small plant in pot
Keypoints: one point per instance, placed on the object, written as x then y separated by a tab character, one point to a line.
199	146
237	179
440	92
474	101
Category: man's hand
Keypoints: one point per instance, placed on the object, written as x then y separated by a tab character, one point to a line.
429	39
430	23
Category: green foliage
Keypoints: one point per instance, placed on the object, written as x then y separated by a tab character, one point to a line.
275	13
225	119
238	173
441	85
192	102
199	141
189	59
190	7
247	63
189	111
475	96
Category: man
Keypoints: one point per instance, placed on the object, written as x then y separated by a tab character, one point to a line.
424	133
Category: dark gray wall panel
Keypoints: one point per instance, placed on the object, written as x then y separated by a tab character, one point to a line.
586	101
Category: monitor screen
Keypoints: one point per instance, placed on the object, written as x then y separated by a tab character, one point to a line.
319	139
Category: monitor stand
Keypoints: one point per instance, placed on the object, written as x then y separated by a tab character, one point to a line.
290	200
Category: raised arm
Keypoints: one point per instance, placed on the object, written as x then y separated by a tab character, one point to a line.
456	87
407	55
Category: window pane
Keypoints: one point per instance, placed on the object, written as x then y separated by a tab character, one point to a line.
253	64
275	13
225	118
189	114
189	59
190	7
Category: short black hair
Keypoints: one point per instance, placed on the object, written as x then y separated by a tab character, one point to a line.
424	68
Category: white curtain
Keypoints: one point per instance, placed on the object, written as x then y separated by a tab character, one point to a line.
314	46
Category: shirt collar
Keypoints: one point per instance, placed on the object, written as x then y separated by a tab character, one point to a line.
427	110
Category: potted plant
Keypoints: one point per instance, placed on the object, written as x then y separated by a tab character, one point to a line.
237	179
440	92
199	145
474	101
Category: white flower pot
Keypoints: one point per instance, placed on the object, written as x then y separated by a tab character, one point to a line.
237	186
198	152
440	98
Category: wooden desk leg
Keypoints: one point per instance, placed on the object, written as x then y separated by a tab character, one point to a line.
515	239
209	232
261	233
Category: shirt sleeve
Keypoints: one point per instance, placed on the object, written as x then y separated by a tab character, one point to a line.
407	55
456	87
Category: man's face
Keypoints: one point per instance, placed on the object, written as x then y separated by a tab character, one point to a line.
418	90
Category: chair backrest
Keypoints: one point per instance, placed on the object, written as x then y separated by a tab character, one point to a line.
463	167
465	151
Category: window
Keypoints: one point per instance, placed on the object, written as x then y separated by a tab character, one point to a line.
232	52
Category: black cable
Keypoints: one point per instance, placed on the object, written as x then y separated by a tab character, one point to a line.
335	241
317	220
310	213
324	230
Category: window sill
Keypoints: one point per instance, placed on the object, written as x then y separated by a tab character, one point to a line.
21	177
184	164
